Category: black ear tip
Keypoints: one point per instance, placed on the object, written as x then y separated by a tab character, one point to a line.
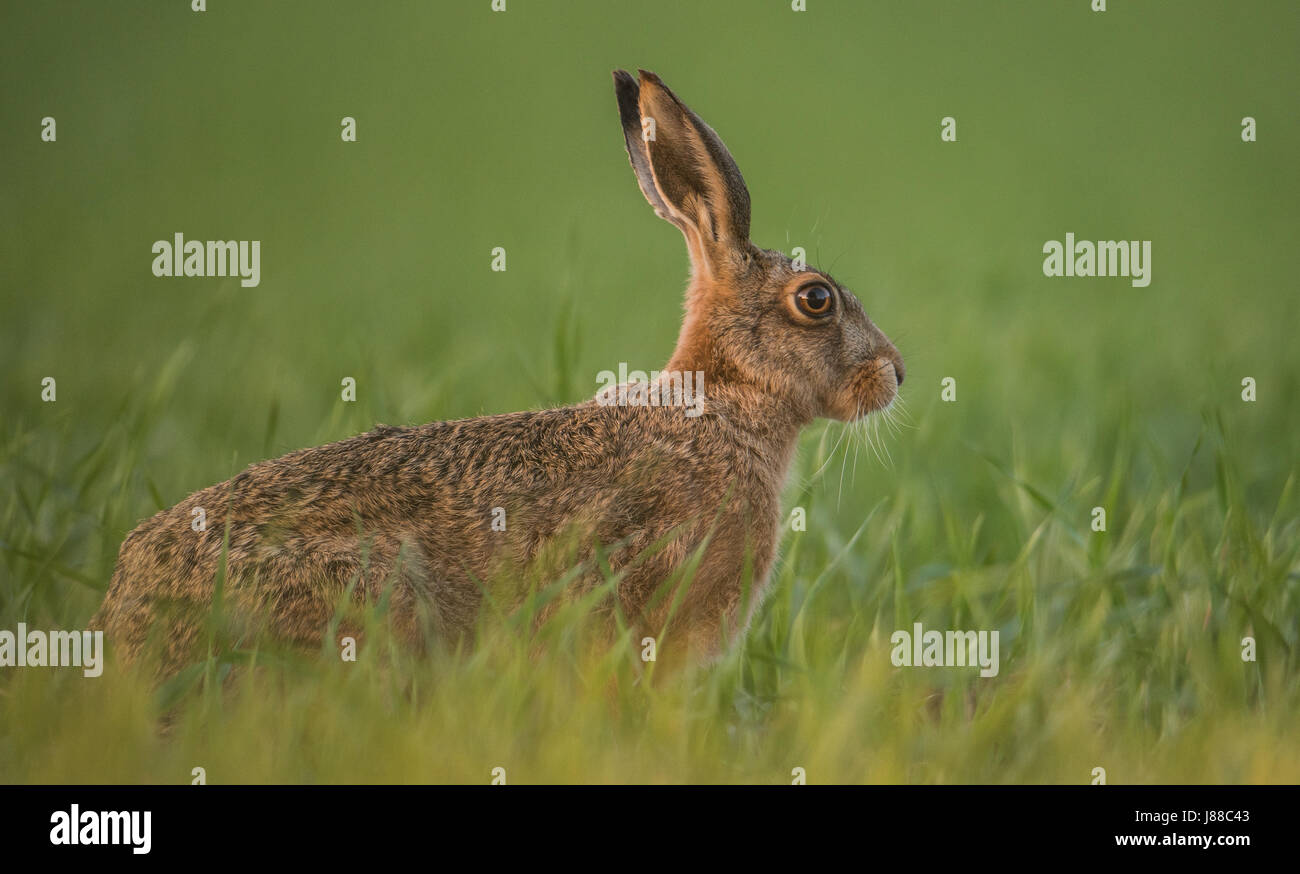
627	91
650	77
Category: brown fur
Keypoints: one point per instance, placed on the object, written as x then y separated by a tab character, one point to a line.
405	513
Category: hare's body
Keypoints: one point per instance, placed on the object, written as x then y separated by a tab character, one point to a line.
413	508
425	516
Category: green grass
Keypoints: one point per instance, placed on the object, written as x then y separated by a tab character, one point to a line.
1119	649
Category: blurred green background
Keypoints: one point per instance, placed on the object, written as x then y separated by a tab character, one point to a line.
479	129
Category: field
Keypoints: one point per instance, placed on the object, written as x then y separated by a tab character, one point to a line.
1119	649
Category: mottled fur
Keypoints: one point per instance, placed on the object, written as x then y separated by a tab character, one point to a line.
406	513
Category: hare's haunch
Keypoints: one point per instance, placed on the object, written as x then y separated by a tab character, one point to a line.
423	516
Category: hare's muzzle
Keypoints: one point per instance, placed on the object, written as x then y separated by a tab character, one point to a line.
871	386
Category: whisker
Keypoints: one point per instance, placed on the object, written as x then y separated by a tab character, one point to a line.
843	465
884	443
830	457
857	444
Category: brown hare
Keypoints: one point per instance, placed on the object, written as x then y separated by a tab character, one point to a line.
407	513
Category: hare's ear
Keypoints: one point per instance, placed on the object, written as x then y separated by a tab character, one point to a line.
683	168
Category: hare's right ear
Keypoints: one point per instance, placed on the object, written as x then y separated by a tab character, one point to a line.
684	170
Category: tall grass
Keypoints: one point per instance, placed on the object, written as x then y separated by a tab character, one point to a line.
1120	650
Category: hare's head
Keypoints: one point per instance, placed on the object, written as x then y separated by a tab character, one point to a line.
752	317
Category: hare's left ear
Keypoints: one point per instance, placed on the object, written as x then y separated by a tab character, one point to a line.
684	170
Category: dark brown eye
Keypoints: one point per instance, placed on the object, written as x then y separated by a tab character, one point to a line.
814	300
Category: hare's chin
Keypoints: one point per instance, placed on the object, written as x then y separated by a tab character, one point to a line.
864	404
878	404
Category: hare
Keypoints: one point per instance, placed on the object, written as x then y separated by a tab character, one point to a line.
407	513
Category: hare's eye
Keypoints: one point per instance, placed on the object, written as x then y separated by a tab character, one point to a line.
814	300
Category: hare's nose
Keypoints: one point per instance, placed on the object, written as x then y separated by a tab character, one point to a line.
899	370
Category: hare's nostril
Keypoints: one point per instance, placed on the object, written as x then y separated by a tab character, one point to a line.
899	370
